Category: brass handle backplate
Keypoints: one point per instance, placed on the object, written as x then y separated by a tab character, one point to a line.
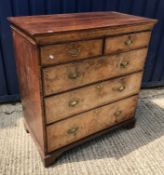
128	42
118	113
124	64
121	88
74	52
73	103
73	75
72	130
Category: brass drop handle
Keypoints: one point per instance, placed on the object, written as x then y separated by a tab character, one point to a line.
128	42
74	52
121	88
73	75
118	113
73	103
72	130
51	57
124	64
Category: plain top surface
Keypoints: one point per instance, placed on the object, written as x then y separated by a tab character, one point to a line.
37	25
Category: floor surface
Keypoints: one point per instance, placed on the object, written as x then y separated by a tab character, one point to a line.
139	151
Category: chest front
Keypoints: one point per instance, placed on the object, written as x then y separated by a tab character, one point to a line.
81	80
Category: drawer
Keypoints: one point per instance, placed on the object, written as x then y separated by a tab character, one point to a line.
80	100
75	128
60	53
126	42
65	77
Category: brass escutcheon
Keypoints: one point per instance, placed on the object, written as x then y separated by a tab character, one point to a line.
128	42
73	75
124	64
74	51
72	130
117	113
73	103
121	88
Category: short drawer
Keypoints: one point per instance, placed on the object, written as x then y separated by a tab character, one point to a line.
80	100
126	42
72	75
75	128
60	53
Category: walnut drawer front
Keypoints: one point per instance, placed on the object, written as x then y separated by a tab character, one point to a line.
67	104
126	42
82	125
59	53
68	76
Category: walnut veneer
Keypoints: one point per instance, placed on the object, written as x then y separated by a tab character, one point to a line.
79	75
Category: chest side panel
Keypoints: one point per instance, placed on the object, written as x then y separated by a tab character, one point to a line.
29	82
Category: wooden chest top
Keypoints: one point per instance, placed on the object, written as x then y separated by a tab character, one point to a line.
39	25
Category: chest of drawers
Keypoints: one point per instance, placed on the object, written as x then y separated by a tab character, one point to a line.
79	75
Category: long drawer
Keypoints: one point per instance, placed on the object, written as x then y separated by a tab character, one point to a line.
73	102
72	51
82	125
126	42
68	76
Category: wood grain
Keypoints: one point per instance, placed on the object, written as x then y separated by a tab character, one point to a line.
27	61
67	104
72	75
85	124
36	25
126	42
91	34
73	51
73	88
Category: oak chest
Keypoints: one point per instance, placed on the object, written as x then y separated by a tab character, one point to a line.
79	75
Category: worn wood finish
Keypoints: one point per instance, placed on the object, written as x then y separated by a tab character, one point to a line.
50	29
29	82
75	81
48	24
126	42
53	156
92	34
72	75
59	53
73	102
82	125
